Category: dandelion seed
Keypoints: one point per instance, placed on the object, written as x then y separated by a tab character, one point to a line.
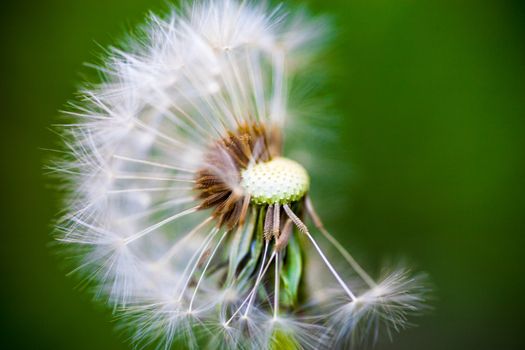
186	214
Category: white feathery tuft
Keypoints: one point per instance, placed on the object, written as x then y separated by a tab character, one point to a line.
138	142
383	309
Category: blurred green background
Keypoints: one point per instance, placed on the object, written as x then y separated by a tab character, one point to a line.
431	96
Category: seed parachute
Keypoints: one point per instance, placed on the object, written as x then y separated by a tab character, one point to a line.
186	213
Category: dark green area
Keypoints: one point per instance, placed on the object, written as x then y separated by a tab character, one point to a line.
431	100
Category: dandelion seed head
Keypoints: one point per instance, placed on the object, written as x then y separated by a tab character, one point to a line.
184	211
279	180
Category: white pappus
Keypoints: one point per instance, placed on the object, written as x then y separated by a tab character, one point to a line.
184	213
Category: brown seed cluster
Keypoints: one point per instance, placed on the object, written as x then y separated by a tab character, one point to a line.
218	182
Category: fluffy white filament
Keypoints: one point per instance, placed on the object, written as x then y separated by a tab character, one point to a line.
138	140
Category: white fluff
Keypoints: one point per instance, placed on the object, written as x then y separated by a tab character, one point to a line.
134	147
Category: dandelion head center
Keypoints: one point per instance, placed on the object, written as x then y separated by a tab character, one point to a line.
219	181
278	181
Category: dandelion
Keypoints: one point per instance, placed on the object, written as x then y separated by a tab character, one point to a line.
184	212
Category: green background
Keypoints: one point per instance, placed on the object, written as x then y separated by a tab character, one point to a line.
430	96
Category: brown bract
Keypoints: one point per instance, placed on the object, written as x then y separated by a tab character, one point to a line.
218	182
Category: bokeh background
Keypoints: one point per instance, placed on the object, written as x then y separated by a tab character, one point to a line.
431	104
